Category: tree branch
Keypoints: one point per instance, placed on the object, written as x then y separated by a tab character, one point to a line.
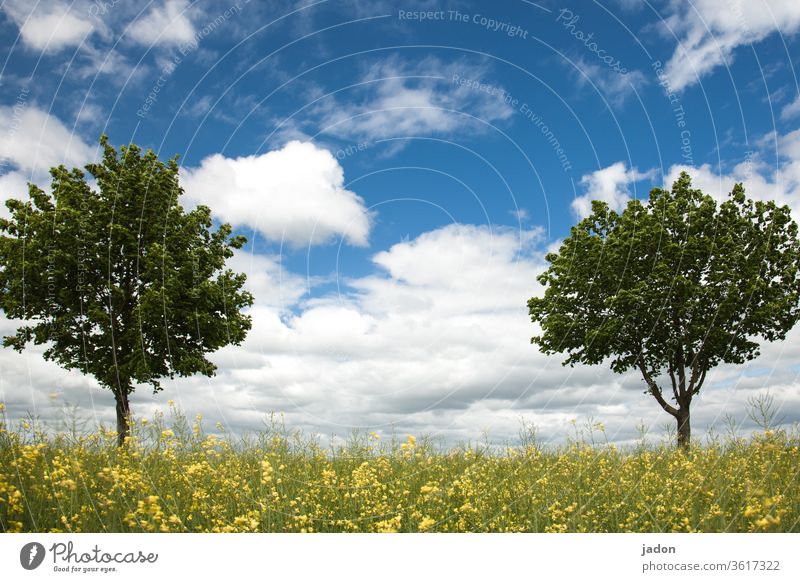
681	358
699	385
681	363
695	383
672	378
654	389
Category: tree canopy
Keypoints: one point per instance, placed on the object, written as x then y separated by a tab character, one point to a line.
671	287
117	279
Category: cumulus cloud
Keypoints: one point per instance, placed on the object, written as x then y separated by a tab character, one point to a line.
611	184
439	326
294	194
50	26
778	180
167	22
272	286
31	142
453	269
710	31
12	185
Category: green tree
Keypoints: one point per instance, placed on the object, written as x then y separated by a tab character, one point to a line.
672	288
117	280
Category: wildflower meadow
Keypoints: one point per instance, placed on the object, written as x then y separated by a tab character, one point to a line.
173	477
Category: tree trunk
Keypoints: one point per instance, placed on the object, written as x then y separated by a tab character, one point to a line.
123	414
684	428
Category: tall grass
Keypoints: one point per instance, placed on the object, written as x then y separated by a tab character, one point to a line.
176	478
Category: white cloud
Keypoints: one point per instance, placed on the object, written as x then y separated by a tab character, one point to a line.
200	107
166	23
111	61
791	110
440	326
50	26
93	26
295	194
397	98
612	85
779	180
710	31
454	269
271	285
521	214
611	184
33	140
13	184
90	114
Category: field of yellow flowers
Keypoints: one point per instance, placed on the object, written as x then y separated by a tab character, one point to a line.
178	479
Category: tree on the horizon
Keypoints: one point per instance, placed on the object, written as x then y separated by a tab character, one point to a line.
672	287
116	279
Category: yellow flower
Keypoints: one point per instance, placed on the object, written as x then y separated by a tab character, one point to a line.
408	446
391	525
266	472
426	523
428	488
766	522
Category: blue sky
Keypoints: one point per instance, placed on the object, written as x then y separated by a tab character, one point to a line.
400	170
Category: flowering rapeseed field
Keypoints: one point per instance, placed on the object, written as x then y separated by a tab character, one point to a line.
178	479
